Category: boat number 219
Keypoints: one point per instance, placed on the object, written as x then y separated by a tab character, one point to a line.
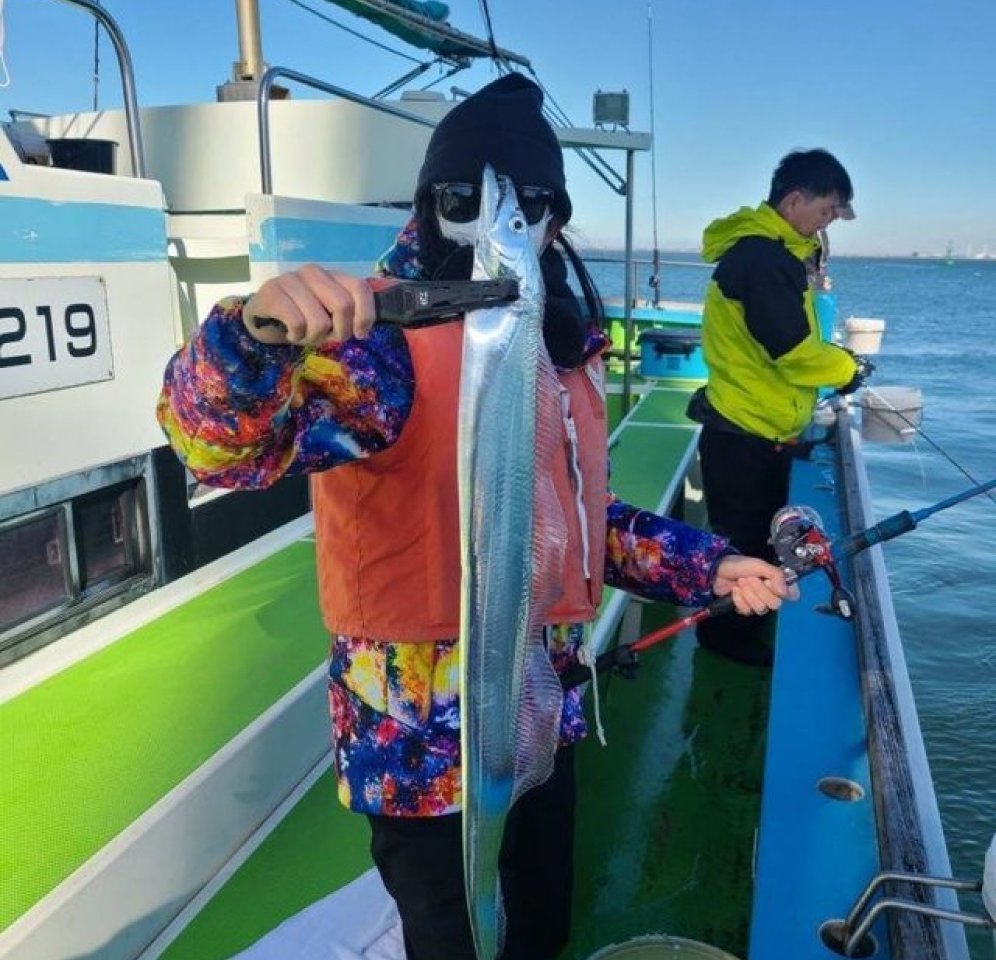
75	333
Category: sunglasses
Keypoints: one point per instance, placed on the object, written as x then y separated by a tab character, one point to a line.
461	202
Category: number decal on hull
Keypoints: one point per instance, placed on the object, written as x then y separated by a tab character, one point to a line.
54	333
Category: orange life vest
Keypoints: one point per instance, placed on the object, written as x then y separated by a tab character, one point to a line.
388	525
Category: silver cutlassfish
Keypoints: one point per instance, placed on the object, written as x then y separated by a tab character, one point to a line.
512	539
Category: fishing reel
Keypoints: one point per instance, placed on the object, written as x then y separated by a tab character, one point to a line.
802	546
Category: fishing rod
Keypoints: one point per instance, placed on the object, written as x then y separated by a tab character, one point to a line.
802	547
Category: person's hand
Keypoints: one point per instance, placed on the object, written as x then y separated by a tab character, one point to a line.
313	305
756	586
863	369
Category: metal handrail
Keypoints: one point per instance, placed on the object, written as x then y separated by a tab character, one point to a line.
644	262
263	111
634	270
127	81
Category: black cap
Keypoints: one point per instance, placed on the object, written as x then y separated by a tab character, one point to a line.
502	124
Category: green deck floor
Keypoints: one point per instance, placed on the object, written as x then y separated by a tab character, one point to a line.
664	406
89	750
667	811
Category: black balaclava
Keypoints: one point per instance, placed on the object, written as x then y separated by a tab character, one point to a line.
502	124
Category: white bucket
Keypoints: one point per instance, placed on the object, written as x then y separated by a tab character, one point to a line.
890	414
661	947
863	335
989	883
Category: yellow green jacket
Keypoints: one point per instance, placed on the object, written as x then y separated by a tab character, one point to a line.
760	337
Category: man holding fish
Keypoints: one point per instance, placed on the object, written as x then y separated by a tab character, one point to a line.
461	501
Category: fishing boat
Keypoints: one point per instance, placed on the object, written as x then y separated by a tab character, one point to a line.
167	789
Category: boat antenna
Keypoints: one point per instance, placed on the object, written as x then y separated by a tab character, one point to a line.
655	280
96	59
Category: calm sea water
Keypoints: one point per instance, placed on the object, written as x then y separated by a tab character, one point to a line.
940	337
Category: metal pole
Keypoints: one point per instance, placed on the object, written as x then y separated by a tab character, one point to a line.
250	62
127	82
628	291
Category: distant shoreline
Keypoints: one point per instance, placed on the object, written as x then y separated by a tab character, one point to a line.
647	254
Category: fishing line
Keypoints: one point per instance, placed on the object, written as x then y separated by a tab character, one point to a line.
919	430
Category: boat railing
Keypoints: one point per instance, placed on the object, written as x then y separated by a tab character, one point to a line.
910	832
127	81
644	265
263	111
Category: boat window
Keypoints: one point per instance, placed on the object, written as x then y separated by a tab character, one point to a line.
35	577
106	525
58	564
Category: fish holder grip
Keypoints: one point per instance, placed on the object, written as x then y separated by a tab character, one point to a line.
412	303
422	303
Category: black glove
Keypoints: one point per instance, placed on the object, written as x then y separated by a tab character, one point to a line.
864	368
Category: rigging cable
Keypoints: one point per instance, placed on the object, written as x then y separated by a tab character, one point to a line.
486	11
655	279
559	118
356	33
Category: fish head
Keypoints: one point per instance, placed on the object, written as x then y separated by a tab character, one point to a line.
506	243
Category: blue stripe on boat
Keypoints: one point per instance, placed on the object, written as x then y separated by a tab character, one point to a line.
306	241
45	231
814	854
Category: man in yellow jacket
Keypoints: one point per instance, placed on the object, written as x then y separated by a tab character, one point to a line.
767	360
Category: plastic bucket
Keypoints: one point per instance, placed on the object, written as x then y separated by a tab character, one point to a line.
989	882
74	153
674	354
661	947
863	334
890	414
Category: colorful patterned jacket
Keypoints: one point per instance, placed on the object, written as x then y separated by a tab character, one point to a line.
242	415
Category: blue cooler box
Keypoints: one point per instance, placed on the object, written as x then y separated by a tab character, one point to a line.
672	354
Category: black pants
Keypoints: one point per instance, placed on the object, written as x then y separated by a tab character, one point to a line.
746	481
420	860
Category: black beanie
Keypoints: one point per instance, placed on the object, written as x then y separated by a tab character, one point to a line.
502	124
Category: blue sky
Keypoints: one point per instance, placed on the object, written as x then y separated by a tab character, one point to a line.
904	93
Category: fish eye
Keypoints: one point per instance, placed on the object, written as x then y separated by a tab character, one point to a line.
517	223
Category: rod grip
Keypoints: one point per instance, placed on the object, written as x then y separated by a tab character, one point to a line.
719	607
890	527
